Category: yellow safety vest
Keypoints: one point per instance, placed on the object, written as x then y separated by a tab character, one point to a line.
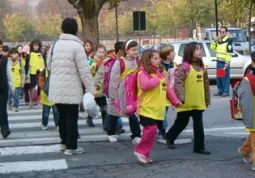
36	63
152	103
126	72
16	75
194	92
223	49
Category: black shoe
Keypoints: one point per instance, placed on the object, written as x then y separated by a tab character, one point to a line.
170	145
90	122
6	133
203	152
120	131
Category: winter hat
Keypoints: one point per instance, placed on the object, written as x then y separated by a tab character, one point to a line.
26	49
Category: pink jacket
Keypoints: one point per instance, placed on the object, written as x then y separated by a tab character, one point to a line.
147	82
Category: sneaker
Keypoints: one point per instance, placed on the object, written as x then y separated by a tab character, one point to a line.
69	152
246	157
44	127
112	138
120	131
62	147
253	167
6	133
136	140
141	158
9	107
15	109
31	104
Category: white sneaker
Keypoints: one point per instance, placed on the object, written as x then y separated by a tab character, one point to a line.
136	140
44	127
246	158
141	158
79	150
113	138
62	147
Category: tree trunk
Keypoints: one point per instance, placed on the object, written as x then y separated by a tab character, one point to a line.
90	28
117	23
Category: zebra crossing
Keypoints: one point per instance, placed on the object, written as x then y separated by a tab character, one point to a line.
29	148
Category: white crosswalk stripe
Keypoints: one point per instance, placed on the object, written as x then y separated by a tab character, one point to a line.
28	138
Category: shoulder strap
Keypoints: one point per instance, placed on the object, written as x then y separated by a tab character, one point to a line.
187	67
251	79
122	65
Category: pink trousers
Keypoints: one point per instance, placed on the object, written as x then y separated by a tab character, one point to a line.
147	141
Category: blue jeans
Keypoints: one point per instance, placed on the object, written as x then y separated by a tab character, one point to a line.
15	97
223	84
46	114
106	122
165	123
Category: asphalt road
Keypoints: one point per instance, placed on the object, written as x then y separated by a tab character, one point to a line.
104	159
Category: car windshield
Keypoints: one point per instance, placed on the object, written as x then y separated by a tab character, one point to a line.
236	35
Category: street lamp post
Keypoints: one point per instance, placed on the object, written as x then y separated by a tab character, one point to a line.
216	17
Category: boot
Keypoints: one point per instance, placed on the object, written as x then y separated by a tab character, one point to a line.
90	122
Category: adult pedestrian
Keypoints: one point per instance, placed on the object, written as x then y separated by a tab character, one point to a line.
223	47
68	71
5	85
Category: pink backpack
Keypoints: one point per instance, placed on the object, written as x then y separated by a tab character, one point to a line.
172	72
108	68
126	103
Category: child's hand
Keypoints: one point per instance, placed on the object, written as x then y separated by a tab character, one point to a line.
178	105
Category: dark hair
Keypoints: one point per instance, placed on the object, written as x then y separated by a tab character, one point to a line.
91	43
19	46
118	46
129	44
224	27
189	50
146	60
253	57
70	26
6	48
35	41
1	42
13	50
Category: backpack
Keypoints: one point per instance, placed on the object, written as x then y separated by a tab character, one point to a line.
126	103
172	72
108	68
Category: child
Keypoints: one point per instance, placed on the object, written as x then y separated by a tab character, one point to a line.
33	64
98	76
114	55
167	54
89	49
117	75
6	51
152	94
18	77
24	56
47	105
246	92
192	89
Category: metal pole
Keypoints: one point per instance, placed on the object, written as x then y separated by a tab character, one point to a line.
117	23
216	17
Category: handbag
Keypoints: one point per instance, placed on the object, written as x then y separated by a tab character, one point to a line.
47	80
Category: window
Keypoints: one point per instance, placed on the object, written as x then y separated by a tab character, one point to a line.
182	46
212	53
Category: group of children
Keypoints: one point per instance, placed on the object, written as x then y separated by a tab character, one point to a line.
160	84
154	73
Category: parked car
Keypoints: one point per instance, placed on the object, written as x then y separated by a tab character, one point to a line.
239	62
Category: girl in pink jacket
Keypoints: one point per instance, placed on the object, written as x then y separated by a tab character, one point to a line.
153	92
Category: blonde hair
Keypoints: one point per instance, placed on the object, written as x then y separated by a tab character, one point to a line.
165	50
